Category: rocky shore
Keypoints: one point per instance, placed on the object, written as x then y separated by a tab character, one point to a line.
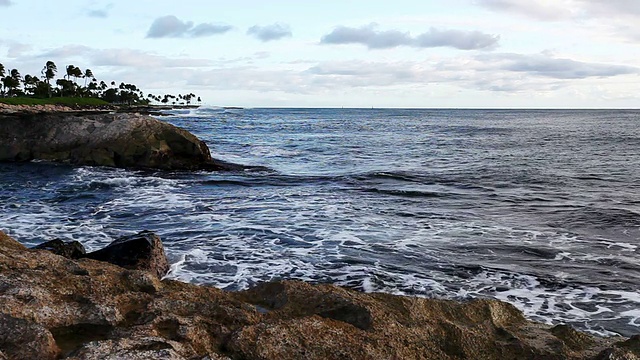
13	109
59	302
57	307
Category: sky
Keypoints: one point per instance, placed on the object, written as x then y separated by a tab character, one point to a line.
342	53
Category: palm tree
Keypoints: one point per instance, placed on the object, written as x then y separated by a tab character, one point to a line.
69	73
87	74
77	72
48	73
12	81
65	85
1	76
30	84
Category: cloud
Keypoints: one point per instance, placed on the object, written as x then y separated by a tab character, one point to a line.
611	7
591	15
270	32
367	35
122	58
171	26
539	9
17	49
372	38
98	13
463	40
554	10
562	69
5	3
201	30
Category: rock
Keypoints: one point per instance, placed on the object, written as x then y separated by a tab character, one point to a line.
22	340
70	250
7	242
96	310
127	349
103	139
143	251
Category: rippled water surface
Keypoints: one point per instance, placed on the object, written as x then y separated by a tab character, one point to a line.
537	208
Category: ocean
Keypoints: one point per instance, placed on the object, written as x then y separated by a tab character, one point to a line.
539	208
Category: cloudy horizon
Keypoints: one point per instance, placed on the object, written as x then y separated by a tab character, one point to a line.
462	54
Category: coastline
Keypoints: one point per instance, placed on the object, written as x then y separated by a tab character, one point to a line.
88	309
136	313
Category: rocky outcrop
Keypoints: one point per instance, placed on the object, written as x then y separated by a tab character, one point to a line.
103	139
87	309
143	251
70	250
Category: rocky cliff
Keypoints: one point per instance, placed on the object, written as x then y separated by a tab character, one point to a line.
103	139
54	307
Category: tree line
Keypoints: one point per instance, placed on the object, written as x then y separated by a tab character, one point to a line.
13	84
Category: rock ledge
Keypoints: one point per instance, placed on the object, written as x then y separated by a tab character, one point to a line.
103	139
53	307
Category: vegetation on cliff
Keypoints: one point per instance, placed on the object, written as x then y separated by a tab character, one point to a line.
23	89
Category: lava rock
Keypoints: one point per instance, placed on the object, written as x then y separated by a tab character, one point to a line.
143	251
70	250
114	313
103	139
22	339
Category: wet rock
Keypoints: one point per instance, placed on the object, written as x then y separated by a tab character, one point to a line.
70	250
96	310
22	339
143	251
103	139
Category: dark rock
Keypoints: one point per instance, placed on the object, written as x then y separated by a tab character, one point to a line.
572	338
143	251
22	340
70	250
624	350
119	140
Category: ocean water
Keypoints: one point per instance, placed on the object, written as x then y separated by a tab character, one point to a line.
537	208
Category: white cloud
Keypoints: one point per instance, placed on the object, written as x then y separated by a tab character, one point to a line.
540	65
374	39
121	58
553	10
607	8
171	26
270	32
6	3
546	10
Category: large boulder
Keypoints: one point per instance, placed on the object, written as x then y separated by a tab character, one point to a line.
143	251
103	139
70	250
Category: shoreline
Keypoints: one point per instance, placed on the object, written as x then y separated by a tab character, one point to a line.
6	109
88	309
58	301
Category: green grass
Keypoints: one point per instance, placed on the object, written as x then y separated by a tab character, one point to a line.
68	101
